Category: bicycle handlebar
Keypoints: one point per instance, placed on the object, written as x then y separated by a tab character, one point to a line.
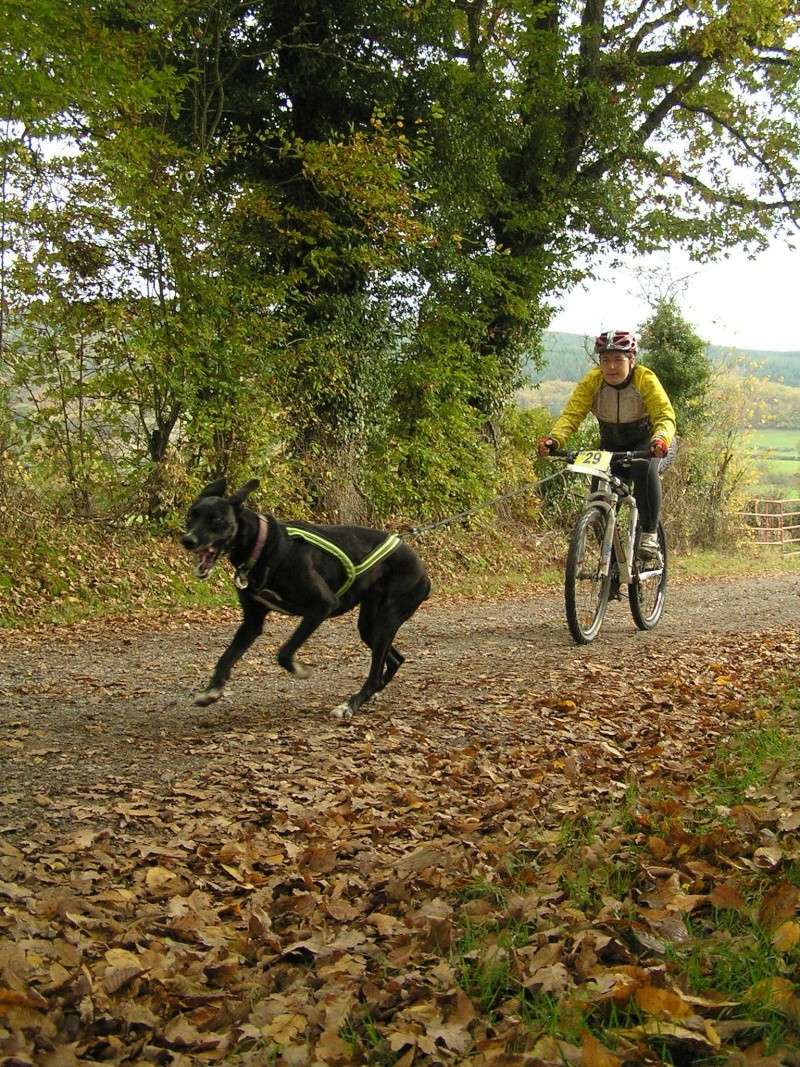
627	458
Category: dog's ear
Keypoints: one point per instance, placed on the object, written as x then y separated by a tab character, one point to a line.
239	497
216	488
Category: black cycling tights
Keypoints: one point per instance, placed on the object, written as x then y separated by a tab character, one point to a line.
647	493
647	484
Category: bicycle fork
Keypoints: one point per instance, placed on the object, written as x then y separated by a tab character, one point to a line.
625	548
612	538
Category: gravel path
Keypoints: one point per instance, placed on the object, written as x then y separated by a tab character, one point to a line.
113	700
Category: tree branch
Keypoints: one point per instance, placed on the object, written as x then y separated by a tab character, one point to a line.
672	99
630	21
651	123
671	57
732	200
578	115
654	24
699	109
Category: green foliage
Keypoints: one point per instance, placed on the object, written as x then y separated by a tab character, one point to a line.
678	356
243	239
712	472
779	367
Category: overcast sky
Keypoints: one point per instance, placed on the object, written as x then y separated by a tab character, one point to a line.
739	302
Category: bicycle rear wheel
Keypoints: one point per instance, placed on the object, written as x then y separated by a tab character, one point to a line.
585	589
647	593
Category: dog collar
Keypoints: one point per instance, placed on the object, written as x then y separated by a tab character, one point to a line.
242	577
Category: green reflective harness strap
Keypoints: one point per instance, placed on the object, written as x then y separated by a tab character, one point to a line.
352	570
388	546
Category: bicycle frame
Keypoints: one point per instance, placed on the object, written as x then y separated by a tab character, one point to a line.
611	500
598	537
615	495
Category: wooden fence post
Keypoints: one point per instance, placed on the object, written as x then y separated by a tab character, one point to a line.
774	522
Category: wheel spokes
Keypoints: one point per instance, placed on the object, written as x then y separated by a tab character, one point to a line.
589	581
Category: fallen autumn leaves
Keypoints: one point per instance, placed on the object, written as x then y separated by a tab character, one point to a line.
411	896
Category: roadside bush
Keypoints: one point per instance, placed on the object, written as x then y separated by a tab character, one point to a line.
709	479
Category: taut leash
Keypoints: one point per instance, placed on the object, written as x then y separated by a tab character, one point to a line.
416	531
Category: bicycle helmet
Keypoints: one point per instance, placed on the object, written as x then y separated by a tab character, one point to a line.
616	341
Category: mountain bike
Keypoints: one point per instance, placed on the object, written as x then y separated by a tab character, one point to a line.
602	555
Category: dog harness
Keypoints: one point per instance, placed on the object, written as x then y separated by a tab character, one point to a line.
352	570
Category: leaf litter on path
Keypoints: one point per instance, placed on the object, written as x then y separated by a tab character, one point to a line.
185	887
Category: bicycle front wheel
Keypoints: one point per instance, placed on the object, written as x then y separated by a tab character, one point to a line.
647	592
585	588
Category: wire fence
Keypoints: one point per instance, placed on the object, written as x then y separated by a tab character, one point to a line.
774	522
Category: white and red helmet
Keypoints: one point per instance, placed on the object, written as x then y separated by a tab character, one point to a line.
616	341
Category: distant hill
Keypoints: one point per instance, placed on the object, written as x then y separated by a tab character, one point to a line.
568	360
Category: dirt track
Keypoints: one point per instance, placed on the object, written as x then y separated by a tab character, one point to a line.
178	882
111	703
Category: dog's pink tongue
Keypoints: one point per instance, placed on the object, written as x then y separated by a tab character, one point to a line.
205	561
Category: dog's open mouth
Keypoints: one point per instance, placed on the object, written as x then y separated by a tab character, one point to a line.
205	559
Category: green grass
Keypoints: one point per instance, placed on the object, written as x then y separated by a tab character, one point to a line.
729	953
366	1041
747	560
783	440
743	765
775	456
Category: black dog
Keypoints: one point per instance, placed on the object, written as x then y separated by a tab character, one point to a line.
311	571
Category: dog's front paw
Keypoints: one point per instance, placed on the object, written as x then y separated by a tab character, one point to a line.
210	696
342	712
299	670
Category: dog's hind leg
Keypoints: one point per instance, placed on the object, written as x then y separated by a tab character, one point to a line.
368	623
407	605
250	628
378	622
394	661
374	682
377	631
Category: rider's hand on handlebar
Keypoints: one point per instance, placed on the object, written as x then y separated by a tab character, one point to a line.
659	447
546	445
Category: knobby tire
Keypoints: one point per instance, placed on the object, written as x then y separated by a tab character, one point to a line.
585	543
647	599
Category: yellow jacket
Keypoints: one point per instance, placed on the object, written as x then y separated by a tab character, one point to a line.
628	414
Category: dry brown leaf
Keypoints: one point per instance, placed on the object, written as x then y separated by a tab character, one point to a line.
778	904
663	1003
115	978
667	925
26	998
672	1032
727	895
122	957
786	936
778	993
386	925
593	1054
160	879
401	1037
480	908
422	858
767	856
284	1028
65	1056
659	847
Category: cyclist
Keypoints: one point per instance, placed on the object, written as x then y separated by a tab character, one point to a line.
635	415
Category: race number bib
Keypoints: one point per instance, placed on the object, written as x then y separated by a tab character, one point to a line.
593	462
